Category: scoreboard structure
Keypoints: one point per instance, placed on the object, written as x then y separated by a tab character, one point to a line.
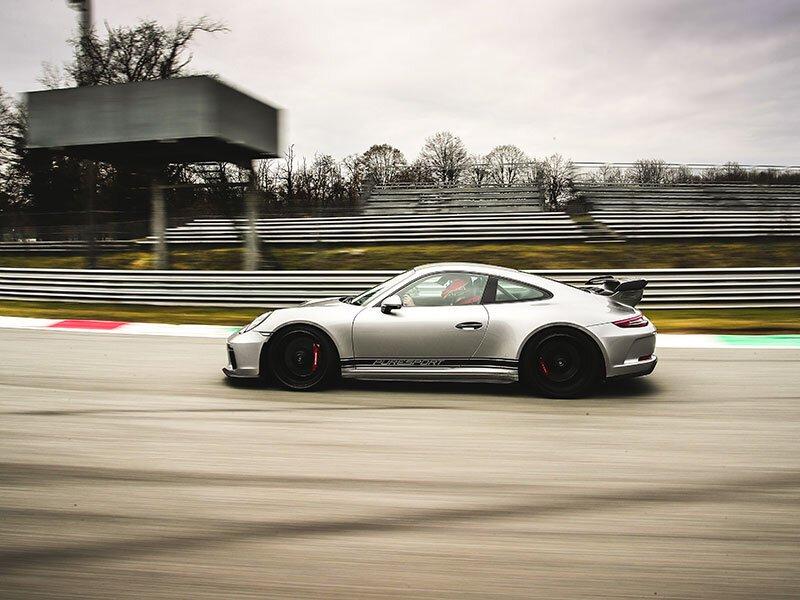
150	124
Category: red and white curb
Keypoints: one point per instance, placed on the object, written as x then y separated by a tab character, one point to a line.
98	326
665	340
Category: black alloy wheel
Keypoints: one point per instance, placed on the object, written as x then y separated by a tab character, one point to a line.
560	364
301	358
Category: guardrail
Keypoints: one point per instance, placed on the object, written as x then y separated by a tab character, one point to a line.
63	246
668	288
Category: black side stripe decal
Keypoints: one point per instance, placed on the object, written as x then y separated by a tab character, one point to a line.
429	362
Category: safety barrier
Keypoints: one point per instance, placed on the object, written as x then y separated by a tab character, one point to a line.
668	288
48	246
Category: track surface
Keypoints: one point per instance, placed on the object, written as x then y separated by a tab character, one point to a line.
129	469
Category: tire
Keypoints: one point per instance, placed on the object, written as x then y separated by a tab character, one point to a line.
560	363
302	358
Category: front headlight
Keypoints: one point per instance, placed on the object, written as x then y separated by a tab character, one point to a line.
255	322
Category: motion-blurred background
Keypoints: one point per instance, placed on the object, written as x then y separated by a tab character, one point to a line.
533	135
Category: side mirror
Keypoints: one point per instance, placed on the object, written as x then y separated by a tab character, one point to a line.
391	303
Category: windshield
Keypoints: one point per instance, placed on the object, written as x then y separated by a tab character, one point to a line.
365	297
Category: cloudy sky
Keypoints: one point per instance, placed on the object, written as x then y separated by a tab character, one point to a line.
614	80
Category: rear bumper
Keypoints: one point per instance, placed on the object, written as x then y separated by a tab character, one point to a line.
628	351
634	368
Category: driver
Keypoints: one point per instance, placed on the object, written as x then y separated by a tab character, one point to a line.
458	291
461	291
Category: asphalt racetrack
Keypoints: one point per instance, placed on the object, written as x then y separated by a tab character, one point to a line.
129	468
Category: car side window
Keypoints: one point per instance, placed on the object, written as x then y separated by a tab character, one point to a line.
514	291
445	289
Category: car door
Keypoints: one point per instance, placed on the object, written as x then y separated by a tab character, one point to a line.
441	317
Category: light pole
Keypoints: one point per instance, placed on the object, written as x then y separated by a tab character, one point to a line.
87	168
84	8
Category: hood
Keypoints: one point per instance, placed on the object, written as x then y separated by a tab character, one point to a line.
332	301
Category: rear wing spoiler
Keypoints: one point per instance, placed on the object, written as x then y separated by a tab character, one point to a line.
625	291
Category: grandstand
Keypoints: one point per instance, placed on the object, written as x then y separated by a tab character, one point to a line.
390	228
688	196
707	223
693	211
406	213
425	200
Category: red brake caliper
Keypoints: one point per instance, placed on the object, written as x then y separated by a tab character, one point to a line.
543	367
315	350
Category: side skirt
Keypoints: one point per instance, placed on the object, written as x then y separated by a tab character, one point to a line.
430	369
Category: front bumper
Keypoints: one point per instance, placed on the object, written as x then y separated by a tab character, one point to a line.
244	354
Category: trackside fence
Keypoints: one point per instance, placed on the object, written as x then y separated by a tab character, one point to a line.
668	288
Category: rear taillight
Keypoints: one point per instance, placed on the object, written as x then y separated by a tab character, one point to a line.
637	321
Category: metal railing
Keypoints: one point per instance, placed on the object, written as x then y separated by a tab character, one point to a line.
668	288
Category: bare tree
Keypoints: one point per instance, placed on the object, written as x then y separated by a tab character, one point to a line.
418	172
143	52
557	175
648	171
353	176
267	172
323	179
445	156
54	77
507	164
732	171
14	157
478	170
8	119
383	162
288	173
607	174
679	174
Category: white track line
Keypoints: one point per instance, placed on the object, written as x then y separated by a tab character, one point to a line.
665	340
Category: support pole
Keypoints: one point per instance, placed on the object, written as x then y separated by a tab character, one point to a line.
88	169
158	222
252	243
88	175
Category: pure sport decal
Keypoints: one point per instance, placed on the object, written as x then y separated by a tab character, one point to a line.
428	362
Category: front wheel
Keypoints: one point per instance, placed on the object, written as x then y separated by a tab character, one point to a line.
302	358
560	364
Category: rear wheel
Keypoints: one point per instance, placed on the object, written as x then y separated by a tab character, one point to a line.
302	358
560	363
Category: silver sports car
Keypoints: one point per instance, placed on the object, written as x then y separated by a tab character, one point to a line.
456	321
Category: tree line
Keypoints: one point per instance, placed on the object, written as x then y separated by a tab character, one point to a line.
654	171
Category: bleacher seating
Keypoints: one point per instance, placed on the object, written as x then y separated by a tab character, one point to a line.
425	200
694	211
396	214
477	226
706	223
688	196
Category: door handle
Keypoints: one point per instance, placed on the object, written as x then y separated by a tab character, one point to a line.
469	325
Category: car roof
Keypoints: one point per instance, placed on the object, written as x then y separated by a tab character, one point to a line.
550	285
464	266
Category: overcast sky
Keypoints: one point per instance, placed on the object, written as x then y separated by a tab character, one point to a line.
614	80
